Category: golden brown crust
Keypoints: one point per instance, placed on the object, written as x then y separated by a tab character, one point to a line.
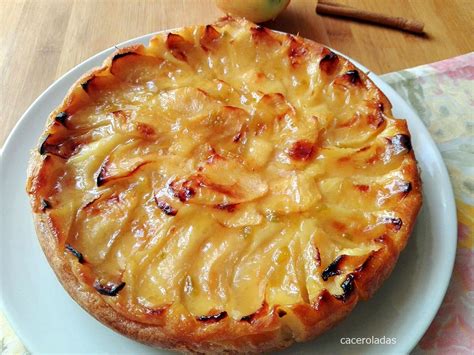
271	327
263	335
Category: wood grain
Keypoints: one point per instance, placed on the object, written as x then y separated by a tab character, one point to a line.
42	39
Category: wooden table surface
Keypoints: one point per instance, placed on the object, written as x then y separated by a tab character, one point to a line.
40	40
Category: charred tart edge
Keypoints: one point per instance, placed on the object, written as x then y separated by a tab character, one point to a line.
265	333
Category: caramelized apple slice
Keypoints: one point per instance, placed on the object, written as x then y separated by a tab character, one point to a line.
186	103
356	130
237	215
136	69
126	159
220	181
295	192
99	218
271	111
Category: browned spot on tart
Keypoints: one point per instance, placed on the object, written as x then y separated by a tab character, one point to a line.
61	117
145	130
347	288
297	51
263	35
349	79
178	46
302	150
157	311
209	38
105	176
64	147
263	310
329	62
395	222
212	318
401	143
73	251
166	207
362	188
229	207
44	204
333	269
121	55
109	289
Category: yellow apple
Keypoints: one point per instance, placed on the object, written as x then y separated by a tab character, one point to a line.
253	10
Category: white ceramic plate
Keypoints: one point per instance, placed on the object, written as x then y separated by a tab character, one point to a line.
47	320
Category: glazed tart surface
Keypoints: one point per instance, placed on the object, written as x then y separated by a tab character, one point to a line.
226	188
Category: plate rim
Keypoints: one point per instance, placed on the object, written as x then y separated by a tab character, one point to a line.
410	341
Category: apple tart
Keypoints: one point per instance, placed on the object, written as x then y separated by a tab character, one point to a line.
226	188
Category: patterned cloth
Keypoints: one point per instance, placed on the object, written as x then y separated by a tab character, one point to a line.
443	95
449	116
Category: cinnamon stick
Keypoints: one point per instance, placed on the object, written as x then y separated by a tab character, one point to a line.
330	8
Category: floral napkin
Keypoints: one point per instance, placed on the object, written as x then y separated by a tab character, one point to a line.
442	94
